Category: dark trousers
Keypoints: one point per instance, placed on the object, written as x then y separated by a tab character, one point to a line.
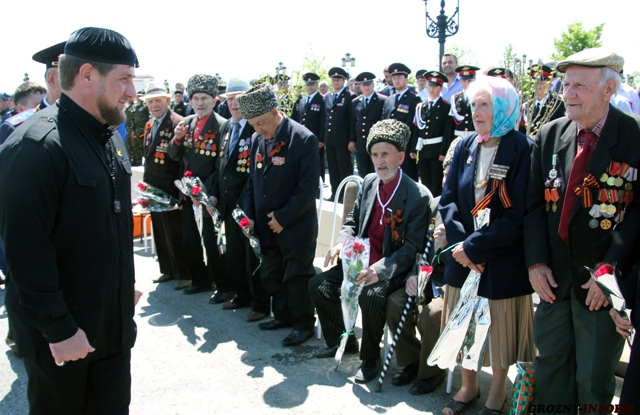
216	269
95	385
339	159
285	274
578	351
630	394
409	166
431	174
365	165
167	234
325	293
409	349
322	168
241	264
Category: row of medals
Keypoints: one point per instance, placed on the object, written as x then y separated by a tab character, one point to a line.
243	162
606	209
189	143
553	182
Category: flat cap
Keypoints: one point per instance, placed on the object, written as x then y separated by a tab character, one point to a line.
101	45
49	56
594	58
257	101
389	131
206	84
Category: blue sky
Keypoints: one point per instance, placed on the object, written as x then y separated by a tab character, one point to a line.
248	37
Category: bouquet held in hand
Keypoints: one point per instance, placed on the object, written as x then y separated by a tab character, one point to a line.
153	199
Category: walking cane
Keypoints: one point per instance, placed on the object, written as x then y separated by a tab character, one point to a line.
407	306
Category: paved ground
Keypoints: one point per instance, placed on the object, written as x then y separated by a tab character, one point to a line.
195	358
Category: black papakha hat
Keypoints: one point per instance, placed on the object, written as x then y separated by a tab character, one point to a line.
101	45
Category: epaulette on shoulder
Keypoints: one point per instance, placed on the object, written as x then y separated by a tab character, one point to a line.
21	117
382	95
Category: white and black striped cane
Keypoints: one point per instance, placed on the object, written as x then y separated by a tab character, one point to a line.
407	306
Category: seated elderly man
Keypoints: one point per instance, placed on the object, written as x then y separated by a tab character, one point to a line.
393	212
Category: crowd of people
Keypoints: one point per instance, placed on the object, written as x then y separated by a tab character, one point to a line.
553	175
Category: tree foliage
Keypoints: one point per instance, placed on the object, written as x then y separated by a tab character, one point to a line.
575	39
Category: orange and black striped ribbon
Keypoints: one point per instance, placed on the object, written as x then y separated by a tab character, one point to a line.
501	187
277	148
584	190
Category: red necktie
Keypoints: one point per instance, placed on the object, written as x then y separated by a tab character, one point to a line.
576	177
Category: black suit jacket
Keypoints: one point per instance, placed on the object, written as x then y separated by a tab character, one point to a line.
160	170
229	182
437	123
311	115
223	110
500	246
288	190
618	142
463	108
337	131
364	118
412	199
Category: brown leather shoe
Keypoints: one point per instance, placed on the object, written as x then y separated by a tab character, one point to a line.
254	316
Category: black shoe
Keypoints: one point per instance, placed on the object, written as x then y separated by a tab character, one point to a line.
221	297
275	325
14	348
352	347
368	370
194	289
408	374
428	385
297	337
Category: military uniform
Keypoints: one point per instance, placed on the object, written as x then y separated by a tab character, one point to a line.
403	109
312	115
539	112
461	115
180	109
137	116
11	123
366	112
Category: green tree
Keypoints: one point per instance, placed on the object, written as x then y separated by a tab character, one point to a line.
575	39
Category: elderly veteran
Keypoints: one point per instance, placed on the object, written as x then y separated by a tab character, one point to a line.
490	171
581	213
280	203
395	239
196	143
231	176
161	171
70	287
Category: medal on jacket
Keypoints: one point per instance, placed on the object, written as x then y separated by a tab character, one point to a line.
553	182
259	160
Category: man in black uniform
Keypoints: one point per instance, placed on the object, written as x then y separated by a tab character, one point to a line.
310	112
279	201
337	133
460	106
232	171
161	171
178	106
196	142
433	135
401	106
367	110
71	286
222	107
49	57
546	106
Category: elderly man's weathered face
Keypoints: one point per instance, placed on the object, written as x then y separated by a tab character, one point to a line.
202	104
232	102
482	111
311	88
324	88
585	100
113	91
399	82
387	159
158	106
266	124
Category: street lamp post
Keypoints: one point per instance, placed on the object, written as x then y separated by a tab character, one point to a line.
26	77
443	26
280	70
348	59
166	86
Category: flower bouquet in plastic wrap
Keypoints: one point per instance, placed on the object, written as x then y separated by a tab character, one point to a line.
243	221
153	199
355	258
192	186
605	277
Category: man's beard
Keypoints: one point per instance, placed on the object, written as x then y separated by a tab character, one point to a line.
110	115
388	173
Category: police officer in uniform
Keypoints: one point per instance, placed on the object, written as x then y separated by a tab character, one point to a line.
178	105
310	112
546	106
367	110
71	286
49	57
401	106
434	133
338	129
460	106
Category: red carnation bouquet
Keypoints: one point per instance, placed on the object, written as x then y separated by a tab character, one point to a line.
153	199
192	186
243	221
355	258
